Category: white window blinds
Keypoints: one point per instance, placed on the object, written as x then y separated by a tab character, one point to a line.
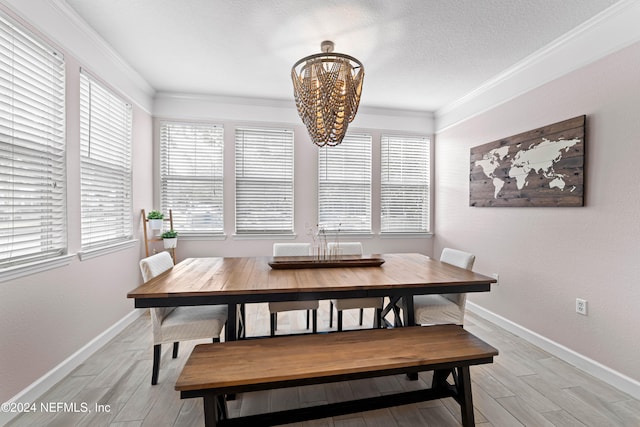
105	166
191	176
405	184
32	148
264	181
344	185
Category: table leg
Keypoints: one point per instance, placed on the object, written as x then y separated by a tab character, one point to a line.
242	325
409	320
407	307
393	305
390	306
231	332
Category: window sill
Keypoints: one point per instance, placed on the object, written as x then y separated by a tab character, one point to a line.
424	235
264	236
344	235
34	267
195	236
93	253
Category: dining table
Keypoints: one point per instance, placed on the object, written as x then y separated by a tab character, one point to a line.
236	281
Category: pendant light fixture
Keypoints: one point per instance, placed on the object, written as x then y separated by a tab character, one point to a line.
327	88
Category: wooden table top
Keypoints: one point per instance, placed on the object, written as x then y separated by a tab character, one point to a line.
218	276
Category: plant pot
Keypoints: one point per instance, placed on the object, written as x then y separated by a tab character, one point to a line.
170	243
155	224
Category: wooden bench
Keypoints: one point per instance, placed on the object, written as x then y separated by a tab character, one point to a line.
215	370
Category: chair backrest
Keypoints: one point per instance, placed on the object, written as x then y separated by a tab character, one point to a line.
291	249
155	265
345	248
151	267
459	259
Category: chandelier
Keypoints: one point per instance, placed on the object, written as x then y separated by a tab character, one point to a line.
327	88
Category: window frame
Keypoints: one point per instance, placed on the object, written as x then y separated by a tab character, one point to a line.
281	175
113	160
34	141
411	181
214	181
329	222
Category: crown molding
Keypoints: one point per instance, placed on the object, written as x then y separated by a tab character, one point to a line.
206	106
611	30
56	20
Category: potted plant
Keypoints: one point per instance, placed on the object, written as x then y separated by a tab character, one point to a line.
170	239
155	220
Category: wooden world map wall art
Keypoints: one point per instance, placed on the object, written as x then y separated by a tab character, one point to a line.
543	167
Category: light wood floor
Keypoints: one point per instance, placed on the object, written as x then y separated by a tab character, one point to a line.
524	386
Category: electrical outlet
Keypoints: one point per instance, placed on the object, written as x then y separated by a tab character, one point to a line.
581	306
497	277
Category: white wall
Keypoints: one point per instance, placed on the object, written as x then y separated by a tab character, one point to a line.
49	316
234	112
547	257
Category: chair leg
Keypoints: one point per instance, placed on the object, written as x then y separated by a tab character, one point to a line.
377	320
361	315
331	314
215	340
222	406
339	320
176	345
273	323
156	364
315	321
308	319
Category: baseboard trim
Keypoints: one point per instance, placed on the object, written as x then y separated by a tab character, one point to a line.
614	378
36	389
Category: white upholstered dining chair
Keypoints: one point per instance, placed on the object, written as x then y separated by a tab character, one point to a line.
352	248
444	308
175	324
292	249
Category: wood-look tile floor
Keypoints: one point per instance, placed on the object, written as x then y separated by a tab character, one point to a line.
524	386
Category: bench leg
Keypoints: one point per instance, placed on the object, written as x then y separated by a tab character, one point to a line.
464	395
211	410
440	378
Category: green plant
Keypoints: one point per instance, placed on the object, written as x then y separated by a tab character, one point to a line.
170	234
155	215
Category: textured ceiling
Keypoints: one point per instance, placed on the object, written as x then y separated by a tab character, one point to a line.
417	54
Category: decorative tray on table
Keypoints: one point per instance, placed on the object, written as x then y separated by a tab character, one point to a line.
293	262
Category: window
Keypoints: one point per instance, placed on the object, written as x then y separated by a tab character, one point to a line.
264	181
344	185
191	176
105	166
405	184
32	149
